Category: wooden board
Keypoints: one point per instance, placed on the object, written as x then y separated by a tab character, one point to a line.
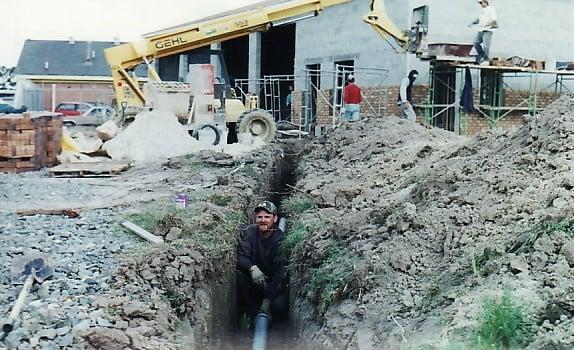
89	169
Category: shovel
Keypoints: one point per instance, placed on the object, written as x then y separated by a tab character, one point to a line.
25	270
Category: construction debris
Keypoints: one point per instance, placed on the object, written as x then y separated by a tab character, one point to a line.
89	169
142	233
107	131
71	213
516	61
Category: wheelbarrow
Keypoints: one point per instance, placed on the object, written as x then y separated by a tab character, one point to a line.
26	270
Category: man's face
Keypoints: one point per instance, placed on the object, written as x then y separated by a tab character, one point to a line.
482	4
265	220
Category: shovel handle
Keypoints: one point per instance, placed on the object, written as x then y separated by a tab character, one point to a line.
22	297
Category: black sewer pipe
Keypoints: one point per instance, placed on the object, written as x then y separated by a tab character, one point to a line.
262	322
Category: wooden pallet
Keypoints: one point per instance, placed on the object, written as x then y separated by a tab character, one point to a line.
89	169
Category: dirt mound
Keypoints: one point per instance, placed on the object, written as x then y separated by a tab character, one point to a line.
420	227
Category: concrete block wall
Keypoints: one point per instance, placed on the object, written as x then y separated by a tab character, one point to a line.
340	34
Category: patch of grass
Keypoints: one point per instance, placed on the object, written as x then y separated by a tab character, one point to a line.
220	238
297	204
297	231
525	242
160	220
215	234
504	324
176	301
444	346
479	262
335	279
145	220
221	200
250	171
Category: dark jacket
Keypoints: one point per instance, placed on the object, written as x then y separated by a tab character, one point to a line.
411	81
253	249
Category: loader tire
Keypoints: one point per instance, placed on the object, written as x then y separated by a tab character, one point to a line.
258	123
215	130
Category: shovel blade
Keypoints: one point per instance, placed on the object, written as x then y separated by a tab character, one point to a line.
35	264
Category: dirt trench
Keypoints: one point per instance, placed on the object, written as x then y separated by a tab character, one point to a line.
182	294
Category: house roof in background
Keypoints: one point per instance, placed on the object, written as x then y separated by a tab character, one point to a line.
70	58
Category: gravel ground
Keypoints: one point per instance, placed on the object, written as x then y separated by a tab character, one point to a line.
84	252
72	309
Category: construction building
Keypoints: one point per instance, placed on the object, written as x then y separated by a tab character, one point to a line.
313	55
309	52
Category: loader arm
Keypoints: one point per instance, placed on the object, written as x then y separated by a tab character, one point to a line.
402	41
382	24
123	59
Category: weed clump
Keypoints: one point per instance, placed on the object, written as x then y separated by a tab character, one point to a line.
337	278
525	242
297	204
504	324
297	232
214	232
221	200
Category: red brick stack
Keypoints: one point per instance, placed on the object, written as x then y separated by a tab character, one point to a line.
29	141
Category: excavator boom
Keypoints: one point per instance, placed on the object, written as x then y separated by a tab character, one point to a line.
124	58
401	41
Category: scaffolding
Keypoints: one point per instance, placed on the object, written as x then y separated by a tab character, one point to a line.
442	107
272	93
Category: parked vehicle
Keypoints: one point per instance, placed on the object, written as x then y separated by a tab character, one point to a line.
96	115
73	108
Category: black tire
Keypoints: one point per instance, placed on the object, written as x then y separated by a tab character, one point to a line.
258	123
208	126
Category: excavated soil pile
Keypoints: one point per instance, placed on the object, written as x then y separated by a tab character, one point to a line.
418	227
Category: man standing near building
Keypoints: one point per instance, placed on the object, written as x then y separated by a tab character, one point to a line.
405	96
352	100
487	23
261	275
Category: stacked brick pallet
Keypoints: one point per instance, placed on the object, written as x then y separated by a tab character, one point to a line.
29	141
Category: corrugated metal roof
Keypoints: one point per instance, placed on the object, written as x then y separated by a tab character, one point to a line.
80	58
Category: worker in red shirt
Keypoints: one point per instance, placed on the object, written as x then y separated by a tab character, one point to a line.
352	100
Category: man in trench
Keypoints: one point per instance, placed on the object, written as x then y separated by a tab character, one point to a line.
261	275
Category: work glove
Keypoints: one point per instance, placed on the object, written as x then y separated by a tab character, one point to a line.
257	276
266	306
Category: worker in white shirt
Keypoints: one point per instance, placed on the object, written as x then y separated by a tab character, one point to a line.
487	23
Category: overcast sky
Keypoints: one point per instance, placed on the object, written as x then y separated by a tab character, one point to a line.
97	20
